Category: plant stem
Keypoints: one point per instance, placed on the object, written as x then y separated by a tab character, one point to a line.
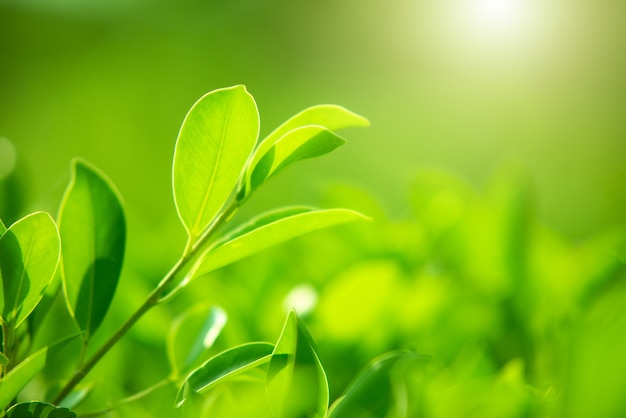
153	299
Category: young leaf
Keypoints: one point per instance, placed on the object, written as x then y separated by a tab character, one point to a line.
38	410
270	229
192	335
24	372
296	381
93	232
29	255
225	365
371	394
331	117
213	145
301	143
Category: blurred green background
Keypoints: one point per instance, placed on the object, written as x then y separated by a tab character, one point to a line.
493	165
452	84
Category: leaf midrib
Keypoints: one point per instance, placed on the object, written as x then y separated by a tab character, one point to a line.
215	169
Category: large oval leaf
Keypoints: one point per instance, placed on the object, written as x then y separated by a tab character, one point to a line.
373	392
29	255
93	232
225	365
331	117
296	381
214	143
301	143
23	373
268	230
39	410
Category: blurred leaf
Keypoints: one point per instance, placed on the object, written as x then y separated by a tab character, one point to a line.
2	228
214	143
38	410
76	396
225	365
14	381
331	117
192	334
29	255
4	360
299	144
296	381
268	230
373	391
93	232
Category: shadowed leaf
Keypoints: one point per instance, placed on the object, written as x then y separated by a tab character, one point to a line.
301	143
29	255
225	365
39	410
296	381
93	232
373	391
330	117
24	372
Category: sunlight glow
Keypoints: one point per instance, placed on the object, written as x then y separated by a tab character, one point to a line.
302	298
497	16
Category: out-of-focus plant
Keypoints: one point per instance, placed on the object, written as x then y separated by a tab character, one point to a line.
218	164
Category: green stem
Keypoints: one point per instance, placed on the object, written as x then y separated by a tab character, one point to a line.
153	299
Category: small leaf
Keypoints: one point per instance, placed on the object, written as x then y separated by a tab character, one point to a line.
192	334
39	410
296	381
24	372
214	143
301	143
268	230
93	232
331	117
2	228
225	365
371	394
4	360
29	255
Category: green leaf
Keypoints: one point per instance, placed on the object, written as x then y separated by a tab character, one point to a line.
372	393
4	360
296	381
268	230
301	143
2	228
93	232
39	410
331	117
214	143
225	365
192	334
29	255
24	372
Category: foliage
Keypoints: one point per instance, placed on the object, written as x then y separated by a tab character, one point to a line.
464	306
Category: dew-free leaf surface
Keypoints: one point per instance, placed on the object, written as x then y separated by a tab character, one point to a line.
214	143
29	255
227	364
93	232
268	230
